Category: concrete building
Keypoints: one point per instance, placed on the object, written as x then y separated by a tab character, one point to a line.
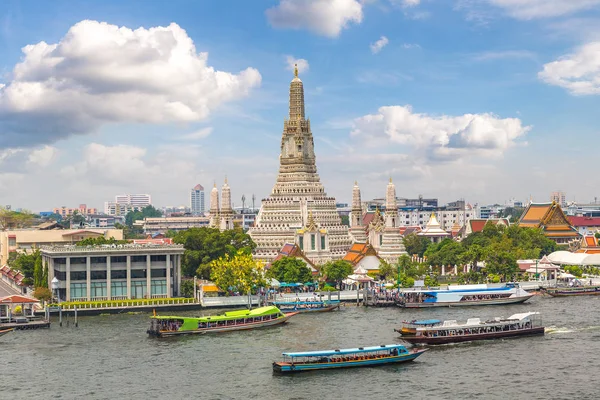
119	210
559	198
164	224
24	240
197	200
136	200
104	221
83	210
120	272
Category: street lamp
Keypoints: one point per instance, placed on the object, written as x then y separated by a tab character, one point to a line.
536	270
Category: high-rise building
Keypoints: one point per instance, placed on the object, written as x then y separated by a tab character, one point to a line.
197	199
136	200
559	198
298	209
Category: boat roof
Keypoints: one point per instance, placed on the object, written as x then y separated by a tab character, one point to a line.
477	321
305	302
424	322
326	353
229	315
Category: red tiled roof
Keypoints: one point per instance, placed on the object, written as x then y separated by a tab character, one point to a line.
368	217
584	221
17	299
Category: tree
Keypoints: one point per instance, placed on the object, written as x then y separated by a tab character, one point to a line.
100	240
45	276
38	273
42	294
290	269
345	220
386	270
14	219
187	288
146	212
25	262
337	270
415	244
239	271
204	245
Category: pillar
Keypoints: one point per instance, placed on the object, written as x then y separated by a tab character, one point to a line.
108	281
169	288
88	277
443	270
177	271
148	277
68	288
129	277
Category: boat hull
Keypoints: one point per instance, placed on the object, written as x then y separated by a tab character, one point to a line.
507	300
469	338
5	331
282	367
584	291
243	327
310	310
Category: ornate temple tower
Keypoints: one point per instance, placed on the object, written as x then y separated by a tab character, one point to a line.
214	207
226	220
392	246
297	194
357	229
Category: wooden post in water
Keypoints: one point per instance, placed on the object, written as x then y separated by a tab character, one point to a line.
76	323
59	316
357	295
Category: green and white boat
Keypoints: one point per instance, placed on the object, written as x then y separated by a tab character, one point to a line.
261	317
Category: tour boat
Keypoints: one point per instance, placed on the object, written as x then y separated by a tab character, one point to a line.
261	317
410	327
572	291
5	331
307	306
346	358
465	295
524	324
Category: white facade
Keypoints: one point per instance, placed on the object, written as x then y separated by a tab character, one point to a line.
559	198
116	209
197	200
136	200
447	219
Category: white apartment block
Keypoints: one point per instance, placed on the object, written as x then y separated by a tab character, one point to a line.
447	219
119	210
136	200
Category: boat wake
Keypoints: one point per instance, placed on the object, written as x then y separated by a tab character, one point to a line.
555	330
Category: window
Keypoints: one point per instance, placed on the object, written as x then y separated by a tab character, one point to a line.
301	242
78	275
158	273
118	288
98	260
98	275
322	242
138	289
312	242
12	241
118	274
78	291
98	289
159	286
118	259
60	261
159	258
138	273
138	258
60	275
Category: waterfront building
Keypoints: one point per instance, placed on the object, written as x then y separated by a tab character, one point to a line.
363	255
559	197
26	240
433	230
294	251
131	271
585	225
164	224
66	212
298	210
551	219
197	200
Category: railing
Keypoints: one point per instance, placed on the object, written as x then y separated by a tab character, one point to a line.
132	303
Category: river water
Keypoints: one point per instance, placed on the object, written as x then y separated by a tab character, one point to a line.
111	357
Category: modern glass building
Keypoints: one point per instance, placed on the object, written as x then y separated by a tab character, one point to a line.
114	272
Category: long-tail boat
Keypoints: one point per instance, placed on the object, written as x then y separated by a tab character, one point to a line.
261	317
5	331
346	358
307	306
572	291
523	324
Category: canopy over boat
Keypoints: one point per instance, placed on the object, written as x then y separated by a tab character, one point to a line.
327	353
229	315
425	322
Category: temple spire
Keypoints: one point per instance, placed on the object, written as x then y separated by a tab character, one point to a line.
295	70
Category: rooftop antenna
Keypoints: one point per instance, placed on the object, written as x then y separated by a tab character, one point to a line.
243	202
253	198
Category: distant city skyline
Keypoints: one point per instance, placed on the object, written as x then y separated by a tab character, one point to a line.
483	100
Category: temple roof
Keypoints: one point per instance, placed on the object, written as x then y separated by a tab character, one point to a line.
477	224
549	217
358	251
293	250
584	221
433	228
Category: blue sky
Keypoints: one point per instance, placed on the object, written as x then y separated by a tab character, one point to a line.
478	99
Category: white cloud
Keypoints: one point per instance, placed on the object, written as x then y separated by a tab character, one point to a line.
499	55
579	72
410	3
291	62
530	9
442	138
197	135
409	46
323	17
42	157
378	45
100	73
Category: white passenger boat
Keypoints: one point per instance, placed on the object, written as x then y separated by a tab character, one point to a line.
465	295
